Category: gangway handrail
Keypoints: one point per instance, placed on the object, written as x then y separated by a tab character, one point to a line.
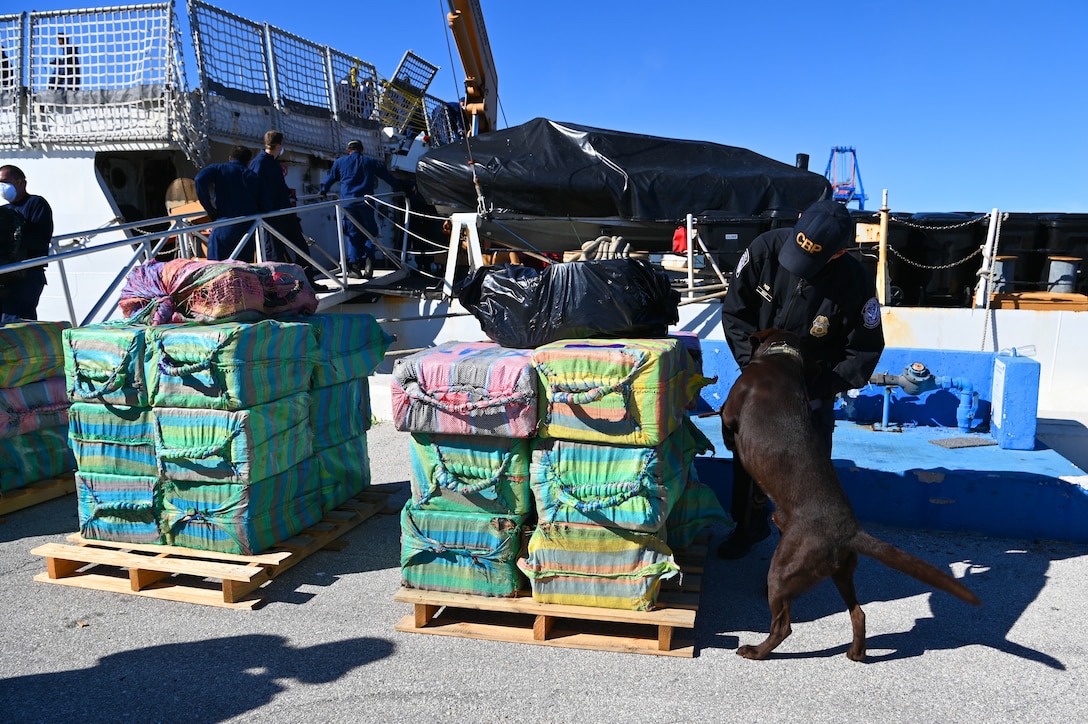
148	245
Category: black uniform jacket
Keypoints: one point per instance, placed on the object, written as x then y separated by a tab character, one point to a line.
836	315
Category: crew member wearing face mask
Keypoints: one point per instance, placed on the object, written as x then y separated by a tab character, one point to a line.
20	291
276	195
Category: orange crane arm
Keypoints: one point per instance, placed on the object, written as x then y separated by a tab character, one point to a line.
466	21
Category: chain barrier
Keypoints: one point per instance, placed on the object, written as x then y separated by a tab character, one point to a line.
946	227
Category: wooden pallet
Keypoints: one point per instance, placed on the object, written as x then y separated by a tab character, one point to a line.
12	500
195	576
666	631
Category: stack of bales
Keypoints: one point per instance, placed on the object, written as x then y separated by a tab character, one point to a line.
471	409
33	405
350	348
610	464
602	436
201	435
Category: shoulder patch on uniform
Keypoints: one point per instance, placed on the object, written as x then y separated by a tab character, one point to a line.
870	315
742	263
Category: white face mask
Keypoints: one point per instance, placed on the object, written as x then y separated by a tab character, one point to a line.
8	192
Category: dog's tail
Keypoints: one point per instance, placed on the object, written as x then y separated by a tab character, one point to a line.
915	567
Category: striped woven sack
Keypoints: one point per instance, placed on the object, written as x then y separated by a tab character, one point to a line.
349	346
589	565
344	471
209	291
33	406
610	485
466	388
228	366
242	519
38	455
113	440
119	508
339	412
239	446
697	509
458	552
104	363
30	352
472	474
619	391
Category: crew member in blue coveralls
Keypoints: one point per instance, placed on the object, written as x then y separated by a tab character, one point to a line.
19	299
801	280
227	190
358	175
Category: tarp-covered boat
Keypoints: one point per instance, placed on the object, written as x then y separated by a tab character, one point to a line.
548	168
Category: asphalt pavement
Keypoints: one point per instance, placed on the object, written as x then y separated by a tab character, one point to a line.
323	648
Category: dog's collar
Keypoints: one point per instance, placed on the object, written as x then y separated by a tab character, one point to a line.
782	348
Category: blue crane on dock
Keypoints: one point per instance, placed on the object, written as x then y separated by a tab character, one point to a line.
845	176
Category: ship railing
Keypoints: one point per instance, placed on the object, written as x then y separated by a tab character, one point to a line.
114	78
254	76
184	236
103	77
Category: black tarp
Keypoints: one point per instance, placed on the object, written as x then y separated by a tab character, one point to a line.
547	168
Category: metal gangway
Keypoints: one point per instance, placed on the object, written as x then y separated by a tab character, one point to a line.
183	236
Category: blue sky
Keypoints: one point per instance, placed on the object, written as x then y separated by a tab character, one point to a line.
959	105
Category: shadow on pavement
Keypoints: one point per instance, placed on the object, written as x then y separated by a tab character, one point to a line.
1007	575
202	681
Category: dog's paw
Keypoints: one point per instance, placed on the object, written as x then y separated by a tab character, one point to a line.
856	653
749	652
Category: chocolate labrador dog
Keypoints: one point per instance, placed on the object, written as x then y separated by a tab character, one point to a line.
766	423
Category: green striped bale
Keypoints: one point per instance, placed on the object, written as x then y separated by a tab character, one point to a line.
589	565
242	519
344	471
30	352
614	391
618	486
472	474
119	508
228	366
339	412
33	406
233	446
459	552
349	346
113	439
697	508
38	455
104	363
610	485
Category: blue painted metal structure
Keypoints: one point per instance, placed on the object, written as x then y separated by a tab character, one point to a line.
845	176
1012	486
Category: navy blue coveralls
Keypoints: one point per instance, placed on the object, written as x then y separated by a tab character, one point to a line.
275	195
226	190
358	175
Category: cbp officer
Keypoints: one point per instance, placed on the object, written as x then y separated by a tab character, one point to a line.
801	280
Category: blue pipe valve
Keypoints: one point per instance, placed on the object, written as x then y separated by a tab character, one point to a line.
917	378
965	412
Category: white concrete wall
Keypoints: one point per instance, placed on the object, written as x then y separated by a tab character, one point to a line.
1060	339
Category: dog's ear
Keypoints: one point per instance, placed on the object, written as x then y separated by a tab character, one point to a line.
757	338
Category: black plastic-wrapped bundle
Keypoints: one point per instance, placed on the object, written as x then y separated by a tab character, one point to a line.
524	308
